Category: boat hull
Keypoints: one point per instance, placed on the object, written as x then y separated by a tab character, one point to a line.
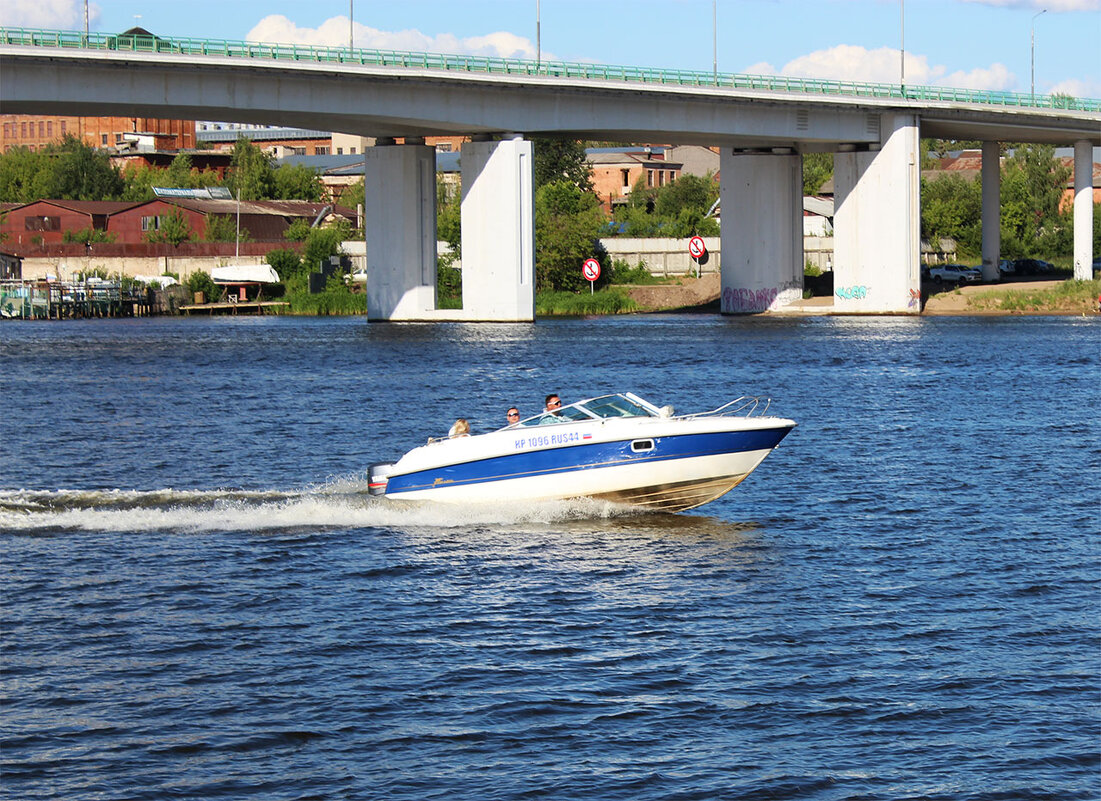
659	466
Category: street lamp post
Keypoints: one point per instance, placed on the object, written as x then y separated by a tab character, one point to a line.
902	46
1032	42
715	38
538	43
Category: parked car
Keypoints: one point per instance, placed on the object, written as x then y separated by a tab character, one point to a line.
1033	267
1007	267
954	274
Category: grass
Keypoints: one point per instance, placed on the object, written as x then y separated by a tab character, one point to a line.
569	304
1068	297
337	299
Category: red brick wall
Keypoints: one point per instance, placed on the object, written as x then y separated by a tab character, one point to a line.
14	224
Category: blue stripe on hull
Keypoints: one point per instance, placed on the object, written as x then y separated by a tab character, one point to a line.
552	461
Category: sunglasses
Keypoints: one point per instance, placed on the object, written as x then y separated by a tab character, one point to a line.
513	414
555	403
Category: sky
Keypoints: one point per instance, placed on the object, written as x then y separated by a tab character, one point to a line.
1004	45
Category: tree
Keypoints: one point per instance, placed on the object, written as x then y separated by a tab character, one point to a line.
298	230
678	209
568	221
449	215
296	182
691	192
951	206
1033	182
223	228
321	243
561	160
817	169
286	263
25	176
250	172
173	229
83	173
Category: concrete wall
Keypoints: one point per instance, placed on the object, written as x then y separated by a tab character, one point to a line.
663	256
64	267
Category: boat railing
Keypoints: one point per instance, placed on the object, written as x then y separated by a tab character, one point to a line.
745	406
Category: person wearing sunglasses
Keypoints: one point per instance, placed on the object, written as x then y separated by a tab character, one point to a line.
550	410
513	416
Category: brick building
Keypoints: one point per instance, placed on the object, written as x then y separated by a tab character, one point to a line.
35	132
45	222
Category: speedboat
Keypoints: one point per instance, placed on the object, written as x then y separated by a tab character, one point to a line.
618	447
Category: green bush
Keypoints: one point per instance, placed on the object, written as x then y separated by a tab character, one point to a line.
622	273
449	283
88	235
572	304
200	281
337	299
286	263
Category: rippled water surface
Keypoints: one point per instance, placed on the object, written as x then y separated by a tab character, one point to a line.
201	601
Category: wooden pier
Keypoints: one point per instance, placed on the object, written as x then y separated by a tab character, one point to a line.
248	307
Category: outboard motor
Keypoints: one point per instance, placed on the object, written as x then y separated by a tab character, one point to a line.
378	476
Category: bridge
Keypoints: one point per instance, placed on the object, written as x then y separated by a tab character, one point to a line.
762	125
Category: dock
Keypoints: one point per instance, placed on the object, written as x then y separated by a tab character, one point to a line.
248	307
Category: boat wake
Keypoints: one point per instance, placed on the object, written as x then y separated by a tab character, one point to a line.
341	505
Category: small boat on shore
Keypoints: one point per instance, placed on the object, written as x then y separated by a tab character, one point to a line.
617	447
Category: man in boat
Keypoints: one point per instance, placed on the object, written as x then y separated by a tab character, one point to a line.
512	416
551	405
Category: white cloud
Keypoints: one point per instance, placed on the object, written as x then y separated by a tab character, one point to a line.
1076	88
1043	5
334	33
883	65
65	14
996	78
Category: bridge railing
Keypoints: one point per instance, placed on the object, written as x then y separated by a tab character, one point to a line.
30	37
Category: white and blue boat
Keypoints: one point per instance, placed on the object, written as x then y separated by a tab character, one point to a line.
618	447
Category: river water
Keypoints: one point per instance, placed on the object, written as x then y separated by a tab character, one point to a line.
200	601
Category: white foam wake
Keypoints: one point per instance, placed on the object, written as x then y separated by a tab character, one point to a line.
341	505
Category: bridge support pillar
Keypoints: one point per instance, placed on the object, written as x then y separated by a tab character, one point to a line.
762	232
498	222
1083	210
991	211
877	223
400	211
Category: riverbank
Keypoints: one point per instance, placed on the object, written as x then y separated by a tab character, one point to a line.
1006	298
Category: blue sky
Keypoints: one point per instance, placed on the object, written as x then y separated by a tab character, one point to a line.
975	44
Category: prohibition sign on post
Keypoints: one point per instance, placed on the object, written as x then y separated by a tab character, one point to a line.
696	247
590	268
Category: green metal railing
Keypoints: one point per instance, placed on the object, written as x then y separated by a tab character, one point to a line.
29	37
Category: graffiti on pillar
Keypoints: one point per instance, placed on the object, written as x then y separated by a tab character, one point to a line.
852	292
915	299
747	300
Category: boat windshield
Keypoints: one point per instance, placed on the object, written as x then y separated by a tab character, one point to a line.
615	406
592	409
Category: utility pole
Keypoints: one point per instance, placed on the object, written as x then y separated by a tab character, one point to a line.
538	43
1032	43
715	38
902	47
